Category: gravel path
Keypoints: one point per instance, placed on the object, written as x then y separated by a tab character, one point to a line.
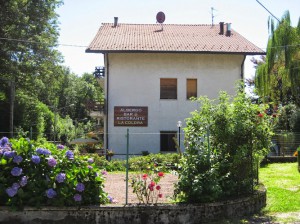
115	186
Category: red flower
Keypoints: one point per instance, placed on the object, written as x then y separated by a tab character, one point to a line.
160	195
150	187
152	184
260	115
158	187
144	177
160	174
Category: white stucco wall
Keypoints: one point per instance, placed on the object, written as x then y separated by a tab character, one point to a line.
134	80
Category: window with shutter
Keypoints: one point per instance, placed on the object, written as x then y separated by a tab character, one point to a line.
191	88
168	88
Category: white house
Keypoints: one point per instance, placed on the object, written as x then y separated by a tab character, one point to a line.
152	70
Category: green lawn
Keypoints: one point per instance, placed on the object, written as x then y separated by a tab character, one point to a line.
282	181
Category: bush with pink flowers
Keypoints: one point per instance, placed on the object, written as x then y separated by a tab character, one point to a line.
146	186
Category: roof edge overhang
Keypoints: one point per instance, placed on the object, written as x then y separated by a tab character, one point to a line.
182	52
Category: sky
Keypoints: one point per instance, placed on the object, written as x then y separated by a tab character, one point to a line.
80	20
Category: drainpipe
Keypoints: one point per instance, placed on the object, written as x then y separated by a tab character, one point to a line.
242	68
107	97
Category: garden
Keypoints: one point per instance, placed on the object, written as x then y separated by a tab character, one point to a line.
225	143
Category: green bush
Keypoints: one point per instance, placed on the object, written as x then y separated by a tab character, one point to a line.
38	174
162	162
224	143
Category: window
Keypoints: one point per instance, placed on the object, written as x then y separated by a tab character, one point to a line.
168	88
167	143
191	88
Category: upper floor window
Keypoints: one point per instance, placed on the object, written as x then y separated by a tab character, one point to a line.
191	88
168	88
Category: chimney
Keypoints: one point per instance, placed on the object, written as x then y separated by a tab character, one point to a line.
228	29
221	28
115	21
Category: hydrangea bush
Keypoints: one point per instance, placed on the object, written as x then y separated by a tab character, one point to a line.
38	174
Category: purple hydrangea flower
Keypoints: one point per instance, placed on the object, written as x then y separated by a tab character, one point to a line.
60	146
90	167
80	187
35	159
4	141
9	154
23	181
77	197
60	178
16	171
51	193
16	186
90	160
104	172
43	151
110	198
17	159
70	155
52	162
11	191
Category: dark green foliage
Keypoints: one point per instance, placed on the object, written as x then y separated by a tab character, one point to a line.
29	59
224	143
288	118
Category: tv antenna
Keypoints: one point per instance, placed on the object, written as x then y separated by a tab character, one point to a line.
212	15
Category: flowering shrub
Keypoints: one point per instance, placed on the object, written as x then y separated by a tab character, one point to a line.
146	187
38	174
225	142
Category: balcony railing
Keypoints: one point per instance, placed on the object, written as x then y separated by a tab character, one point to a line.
99	72
96	106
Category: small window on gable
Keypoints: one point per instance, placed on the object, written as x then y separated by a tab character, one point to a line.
167	143
191	88
168	88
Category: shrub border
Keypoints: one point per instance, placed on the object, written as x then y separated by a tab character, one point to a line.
162	213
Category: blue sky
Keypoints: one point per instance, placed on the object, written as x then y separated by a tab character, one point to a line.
80	20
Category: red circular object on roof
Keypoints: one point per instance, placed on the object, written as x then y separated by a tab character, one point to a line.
160	17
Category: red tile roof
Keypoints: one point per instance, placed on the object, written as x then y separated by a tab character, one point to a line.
173	38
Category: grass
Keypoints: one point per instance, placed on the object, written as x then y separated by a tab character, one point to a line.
282	181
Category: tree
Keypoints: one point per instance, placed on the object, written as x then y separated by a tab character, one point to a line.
28	37
277	76
29	60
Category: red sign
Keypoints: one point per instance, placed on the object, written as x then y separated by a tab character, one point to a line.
131	116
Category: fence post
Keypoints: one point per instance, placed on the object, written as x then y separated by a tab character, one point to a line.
127	166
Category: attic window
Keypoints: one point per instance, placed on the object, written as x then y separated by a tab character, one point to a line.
168	88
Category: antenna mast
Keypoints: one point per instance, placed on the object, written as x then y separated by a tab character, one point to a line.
212	16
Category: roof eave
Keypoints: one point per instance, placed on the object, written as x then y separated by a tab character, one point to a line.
88	50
